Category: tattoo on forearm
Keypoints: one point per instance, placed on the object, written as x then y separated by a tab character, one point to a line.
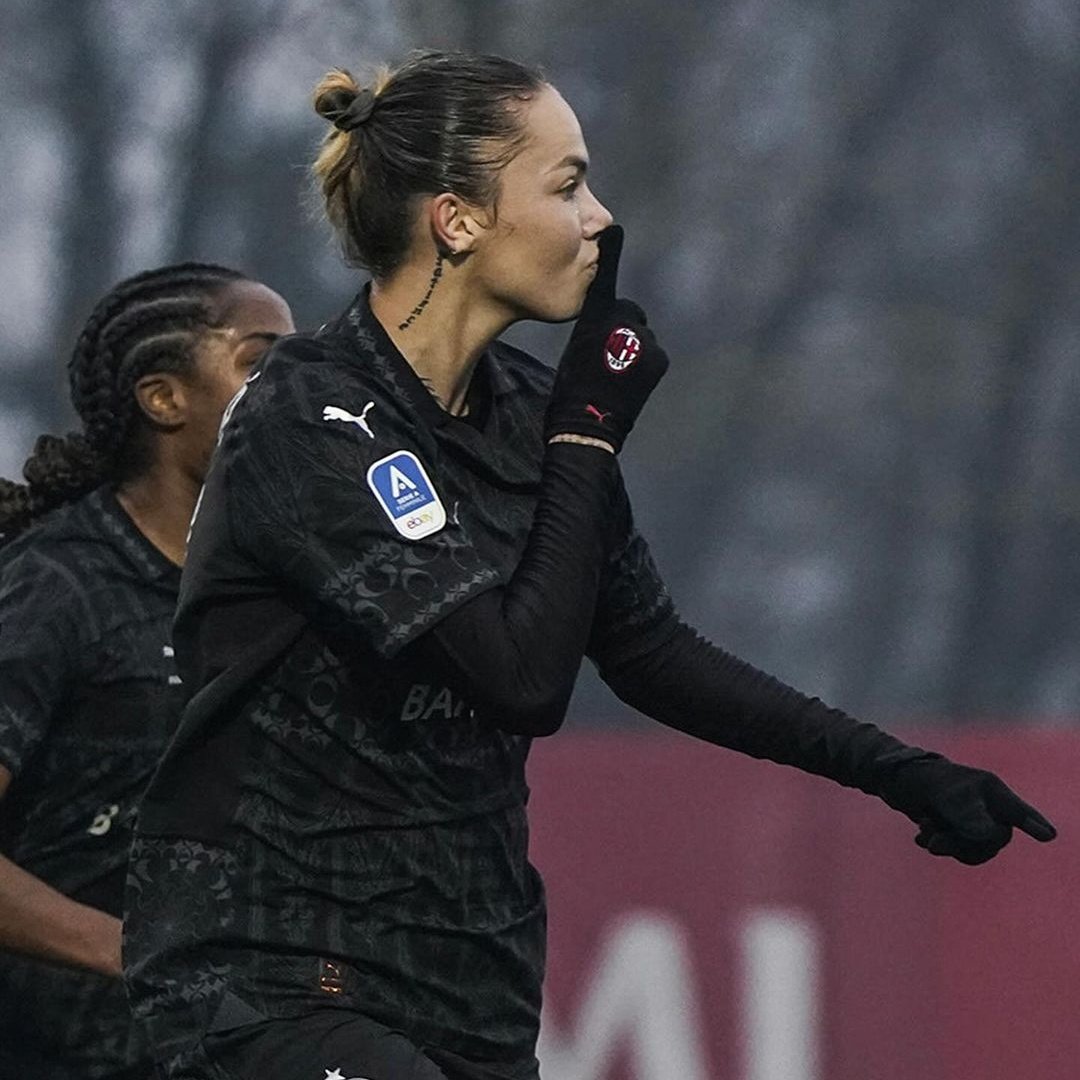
416	311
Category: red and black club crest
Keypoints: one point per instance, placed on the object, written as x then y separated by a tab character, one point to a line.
621	349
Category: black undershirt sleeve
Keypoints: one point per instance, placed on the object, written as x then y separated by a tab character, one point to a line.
657	664
687	683
514	651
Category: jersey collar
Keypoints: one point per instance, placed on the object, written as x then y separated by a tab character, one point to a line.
151	564
364	331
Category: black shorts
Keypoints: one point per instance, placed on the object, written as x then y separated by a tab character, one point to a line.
329	1044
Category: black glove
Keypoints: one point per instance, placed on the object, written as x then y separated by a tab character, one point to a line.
611	363
963	812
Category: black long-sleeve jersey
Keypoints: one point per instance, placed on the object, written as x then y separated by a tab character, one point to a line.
89	691
333	824
340	820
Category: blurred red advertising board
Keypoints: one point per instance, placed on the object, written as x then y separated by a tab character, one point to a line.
718	918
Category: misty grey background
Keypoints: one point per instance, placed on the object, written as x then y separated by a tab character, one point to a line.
854	225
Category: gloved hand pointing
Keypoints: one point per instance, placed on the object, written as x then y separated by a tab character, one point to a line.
966	813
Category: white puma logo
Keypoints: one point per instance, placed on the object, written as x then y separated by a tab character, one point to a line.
332	412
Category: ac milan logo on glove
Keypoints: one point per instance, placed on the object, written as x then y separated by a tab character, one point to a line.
621	349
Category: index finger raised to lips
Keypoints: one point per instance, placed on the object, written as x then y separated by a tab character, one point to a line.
601	292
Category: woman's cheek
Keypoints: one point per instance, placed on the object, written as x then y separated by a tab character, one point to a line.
567	246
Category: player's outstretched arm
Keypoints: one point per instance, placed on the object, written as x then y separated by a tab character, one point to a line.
686	682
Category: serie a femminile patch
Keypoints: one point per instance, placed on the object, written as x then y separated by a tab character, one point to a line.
405	492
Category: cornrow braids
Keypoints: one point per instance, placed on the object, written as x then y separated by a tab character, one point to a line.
149	322
155	336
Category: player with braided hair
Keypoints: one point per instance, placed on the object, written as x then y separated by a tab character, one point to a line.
140	331
89	574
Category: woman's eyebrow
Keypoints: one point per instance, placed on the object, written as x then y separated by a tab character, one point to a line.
574	161
266	335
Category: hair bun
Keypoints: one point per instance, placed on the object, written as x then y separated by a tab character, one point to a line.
349	111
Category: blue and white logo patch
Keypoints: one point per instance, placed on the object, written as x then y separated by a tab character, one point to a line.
406	495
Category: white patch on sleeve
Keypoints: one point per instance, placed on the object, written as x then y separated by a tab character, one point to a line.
407	495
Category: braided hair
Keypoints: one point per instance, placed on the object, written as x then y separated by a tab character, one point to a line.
148	323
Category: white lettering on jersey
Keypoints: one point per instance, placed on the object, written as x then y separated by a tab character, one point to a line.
422	704
168	652
415	702
444	703
103	820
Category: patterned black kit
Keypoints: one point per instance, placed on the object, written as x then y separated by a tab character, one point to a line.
89	692
333	828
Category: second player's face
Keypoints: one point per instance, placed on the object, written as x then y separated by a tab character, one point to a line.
252	317
539	256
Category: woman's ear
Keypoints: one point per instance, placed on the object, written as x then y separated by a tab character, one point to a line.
163	400
456	225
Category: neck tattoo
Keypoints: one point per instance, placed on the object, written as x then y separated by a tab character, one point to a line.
418	310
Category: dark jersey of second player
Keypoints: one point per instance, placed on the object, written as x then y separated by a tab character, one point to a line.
89	691
359	838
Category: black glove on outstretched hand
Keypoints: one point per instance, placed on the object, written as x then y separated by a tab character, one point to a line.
961	811
611	363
